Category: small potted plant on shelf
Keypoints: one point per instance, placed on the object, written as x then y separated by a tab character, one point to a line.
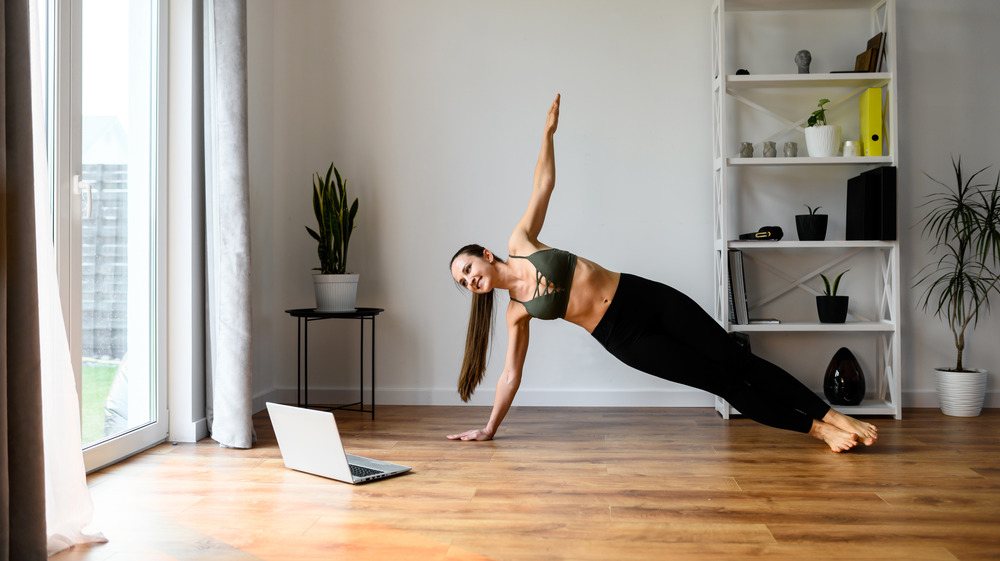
830	307
964	225
811	227
336	290
822	140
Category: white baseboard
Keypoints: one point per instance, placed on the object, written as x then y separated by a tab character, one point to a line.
929	398
188	432
277	396
920	398
680	397
526	397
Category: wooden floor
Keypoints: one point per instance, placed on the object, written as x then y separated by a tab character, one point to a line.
567	483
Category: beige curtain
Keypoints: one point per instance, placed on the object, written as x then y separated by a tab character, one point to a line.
22	467
227	225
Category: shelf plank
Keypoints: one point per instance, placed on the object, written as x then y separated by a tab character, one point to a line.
815	327
830	244
809	161
796	5
838	80
867	407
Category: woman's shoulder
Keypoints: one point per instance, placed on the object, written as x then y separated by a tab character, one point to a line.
521	246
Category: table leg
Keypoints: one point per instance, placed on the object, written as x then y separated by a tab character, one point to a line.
361	372
305	365
298	362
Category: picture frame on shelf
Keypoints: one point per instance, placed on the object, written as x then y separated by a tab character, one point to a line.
862	61
874	50
871	59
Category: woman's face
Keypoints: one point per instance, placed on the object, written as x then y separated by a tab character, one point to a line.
474	272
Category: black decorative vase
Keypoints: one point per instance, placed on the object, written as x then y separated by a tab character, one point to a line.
844	383
832	309
811	227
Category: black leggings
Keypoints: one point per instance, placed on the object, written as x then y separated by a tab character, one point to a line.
660	331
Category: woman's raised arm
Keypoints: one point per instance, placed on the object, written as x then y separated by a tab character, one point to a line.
528	228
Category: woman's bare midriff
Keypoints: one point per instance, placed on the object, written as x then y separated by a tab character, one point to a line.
593	289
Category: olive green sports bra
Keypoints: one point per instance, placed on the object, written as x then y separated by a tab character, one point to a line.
552	297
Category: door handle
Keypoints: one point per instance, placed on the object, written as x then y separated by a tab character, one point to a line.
86	191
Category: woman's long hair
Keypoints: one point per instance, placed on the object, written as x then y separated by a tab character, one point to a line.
477	339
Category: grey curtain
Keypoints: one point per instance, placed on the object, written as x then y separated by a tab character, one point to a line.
227	225
22	466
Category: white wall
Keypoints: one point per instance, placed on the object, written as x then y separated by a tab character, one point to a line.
433	110
948	84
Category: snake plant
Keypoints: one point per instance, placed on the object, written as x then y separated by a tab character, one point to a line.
335	219
831	290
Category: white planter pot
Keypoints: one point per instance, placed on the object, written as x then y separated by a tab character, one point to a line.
823	141
961	393
335	293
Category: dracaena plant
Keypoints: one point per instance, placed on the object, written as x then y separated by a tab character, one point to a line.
335	221
964	223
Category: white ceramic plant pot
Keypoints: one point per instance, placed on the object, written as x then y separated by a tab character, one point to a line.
335	293
961	393
823	141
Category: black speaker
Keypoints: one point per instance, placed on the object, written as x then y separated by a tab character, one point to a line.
871	205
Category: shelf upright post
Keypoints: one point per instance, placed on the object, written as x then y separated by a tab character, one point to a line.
719	171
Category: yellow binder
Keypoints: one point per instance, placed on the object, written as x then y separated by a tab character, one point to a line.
871	122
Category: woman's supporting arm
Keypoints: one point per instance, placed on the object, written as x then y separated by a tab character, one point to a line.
510	378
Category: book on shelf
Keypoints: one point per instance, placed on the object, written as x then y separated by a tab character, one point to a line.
739	312
876	50
871	205
764	321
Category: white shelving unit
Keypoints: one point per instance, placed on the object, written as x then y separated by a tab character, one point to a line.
777	107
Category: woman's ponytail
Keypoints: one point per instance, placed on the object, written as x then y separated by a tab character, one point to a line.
477	339
477	344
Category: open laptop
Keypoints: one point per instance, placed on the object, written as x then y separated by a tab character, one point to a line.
310	442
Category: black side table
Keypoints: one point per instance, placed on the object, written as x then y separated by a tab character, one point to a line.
307	315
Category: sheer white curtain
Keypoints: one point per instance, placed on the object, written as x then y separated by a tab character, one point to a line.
68	506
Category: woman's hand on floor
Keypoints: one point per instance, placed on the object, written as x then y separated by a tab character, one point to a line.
475	434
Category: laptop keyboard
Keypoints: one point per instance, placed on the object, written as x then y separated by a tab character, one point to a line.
358	471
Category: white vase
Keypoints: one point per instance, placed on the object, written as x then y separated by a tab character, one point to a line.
961	393
823	141
335	293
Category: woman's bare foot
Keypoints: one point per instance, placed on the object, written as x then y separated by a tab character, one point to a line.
867	433
838	440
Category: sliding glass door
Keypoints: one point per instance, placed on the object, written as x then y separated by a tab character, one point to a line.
105	164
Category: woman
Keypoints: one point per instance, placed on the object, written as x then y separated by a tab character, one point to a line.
645	324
